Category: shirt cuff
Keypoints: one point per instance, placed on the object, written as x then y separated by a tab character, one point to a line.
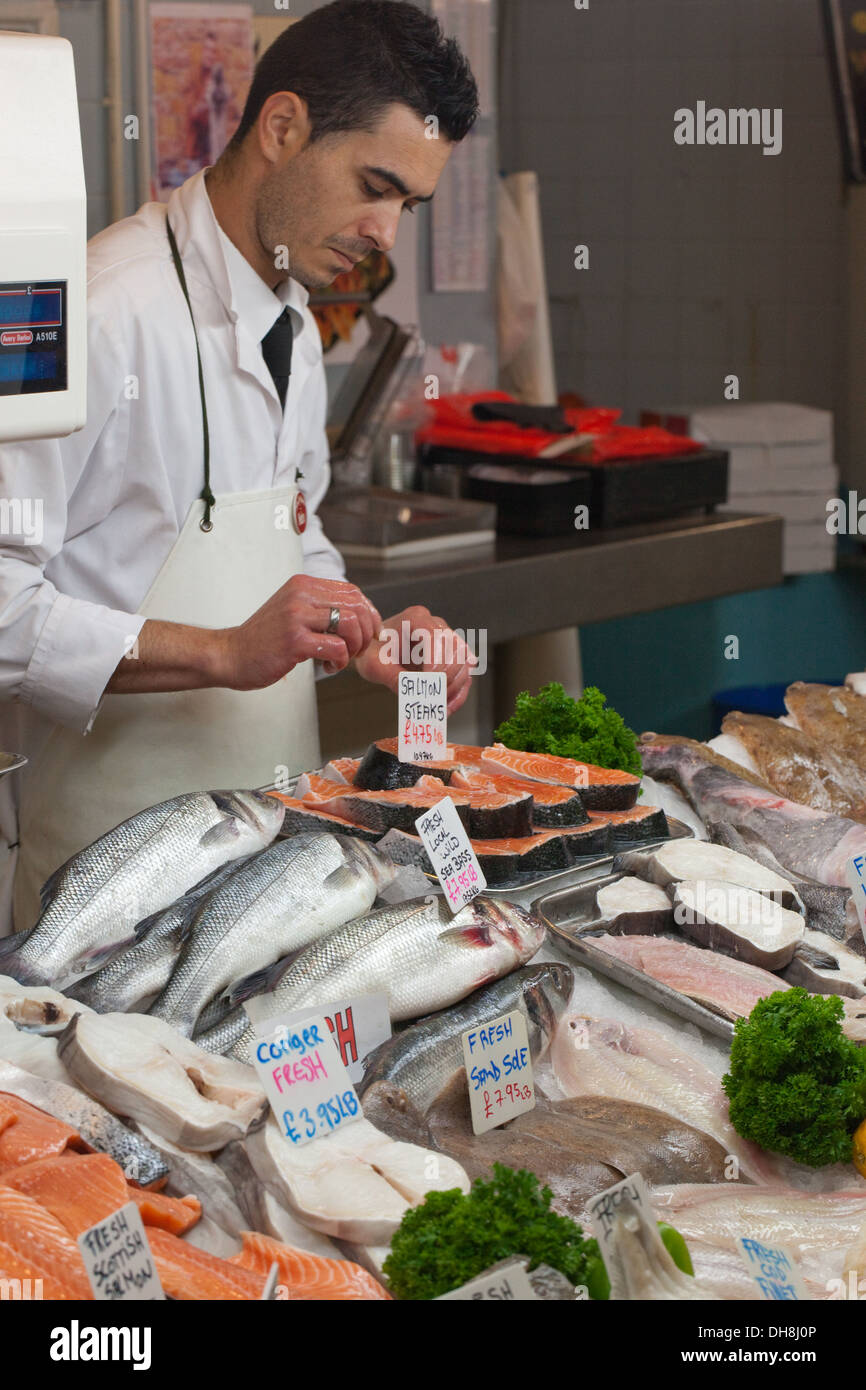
77	653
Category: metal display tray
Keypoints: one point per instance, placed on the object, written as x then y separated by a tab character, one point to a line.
589	868
572	912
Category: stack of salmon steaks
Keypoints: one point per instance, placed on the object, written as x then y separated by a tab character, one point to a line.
53	1188
523	812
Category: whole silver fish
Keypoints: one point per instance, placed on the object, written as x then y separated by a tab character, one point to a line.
96	899
422	1058
285	898
135	976
138	1158
415	952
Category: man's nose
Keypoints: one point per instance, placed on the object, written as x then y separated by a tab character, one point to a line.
381	227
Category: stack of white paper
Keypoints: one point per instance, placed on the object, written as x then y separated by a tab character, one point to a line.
781	461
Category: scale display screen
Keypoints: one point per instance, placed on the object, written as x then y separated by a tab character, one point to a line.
32	337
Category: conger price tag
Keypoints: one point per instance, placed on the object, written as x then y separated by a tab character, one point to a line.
508	1285
357	1025
118	1260
307	1085
423	716
774	1270
452	856
498	1071
856	874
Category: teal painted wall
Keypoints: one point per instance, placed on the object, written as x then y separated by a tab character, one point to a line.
660	670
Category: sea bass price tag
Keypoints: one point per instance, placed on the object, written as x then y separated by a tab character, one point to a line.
857	883
774	1270
452	856
357	1025
498	1070
602	1210
118	1260
423	716
508	1285
306	1083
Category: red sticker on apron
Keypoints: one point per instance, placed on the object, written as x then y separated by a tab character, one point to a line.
299	515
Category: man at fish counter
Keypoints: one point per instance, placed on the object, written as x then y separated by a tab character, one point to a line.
179	598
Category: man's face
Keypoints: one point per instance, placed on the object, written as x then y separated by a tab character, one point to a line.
342	197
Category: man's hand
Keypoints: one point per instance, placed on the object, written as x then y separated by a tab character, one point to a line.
439	649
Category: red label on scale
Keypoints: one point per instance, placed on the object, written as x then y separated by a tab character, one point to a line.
299	515
18	337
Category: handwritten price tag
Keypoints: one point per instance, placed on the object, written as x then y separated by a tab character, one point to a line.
857	884
118	1260
498	1070
357	1025
774	1270
508	1285
452	856
423	716
308	1086
602	1210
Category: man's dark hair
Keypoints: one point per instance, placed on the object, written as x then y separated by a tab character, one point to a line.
352	59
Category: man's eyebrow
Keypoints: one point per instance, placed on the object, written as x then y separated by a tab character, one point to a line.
396	182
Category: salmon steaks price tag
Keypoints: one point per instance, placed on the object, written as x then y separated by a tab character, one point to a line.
118	1260
774	1270
452	856
307	1084
857	884
423	716
499	1071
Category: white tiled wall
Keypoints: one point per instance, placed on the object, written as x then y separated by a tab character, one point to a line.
703	261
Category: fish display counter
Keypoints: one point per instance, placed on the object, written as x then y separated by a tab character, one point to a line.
667	952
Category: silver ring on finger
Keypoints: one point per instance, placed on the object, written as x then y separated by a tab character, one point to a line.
333	621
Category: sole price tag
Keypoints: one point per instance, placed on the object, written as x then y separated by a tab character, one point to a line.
856	874
357	1025
118	1260
423	716
307	1085
774	1270
498	1071
452	856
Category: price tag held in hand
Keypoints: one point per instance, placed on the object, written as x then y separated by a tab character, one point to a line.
306	1083
498	1070
423	716
448	848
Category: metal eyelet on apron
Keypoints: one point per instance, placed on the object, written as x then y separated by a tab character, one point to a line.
206	495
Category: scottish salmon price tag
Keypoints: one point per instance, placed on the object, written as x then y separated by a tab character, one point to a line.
856	874
498	1070
423	716
118	1260
774	1270
357	1025
507	1285
452	856
305	1080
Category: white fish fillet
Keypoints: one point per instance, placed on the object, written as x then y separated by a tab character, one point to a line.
681	860
142	1068
37	1008
727	746
602	1057
738	922
31	1052
631	894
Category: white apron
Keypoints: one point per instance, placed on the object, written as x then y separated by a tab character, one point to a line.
145	748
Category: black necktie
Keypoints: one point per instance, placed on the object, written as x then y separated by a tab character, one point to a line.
277	352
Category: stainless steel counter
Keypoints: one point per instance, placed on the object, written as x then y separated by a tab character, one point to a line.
521	586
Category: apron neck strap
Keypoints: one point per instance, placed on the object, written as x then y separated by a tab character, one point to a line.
206	495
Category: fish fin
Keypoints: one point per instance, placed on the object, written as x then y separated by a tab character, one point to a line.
259	982
472	935
13	965
223	833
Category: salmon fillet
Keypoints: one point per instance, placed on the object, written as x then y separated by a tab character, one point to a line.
174	1214
35	1245
308	1276
78	1189
33	1134
188	1273
601	788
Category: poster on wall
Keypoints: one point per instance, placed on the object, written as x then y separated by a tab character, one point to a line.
845	22
201	67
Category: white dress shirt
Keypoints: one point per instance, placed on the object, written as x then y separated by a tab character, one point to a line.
115	494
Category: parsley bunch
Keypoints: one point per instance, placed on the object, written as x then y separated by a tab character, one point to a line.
797	1085
584	729
453	1237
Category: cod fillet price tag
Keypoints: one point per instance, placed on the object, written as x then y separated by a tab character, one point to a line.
423	716
118	1260
856	874
774	1270
452	856
498	1070
507	1285
306	1083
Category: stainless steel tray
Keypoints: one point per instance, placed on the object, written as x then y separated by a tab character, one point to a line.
589	868
571	911
10	762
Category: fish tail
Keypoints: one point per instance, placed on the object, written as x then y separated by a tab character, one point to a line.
14	963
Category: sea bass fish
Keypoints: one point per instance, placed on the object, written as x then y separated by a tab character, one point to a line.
810	843
288	896
422	1058
415	952
135	976
96	899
